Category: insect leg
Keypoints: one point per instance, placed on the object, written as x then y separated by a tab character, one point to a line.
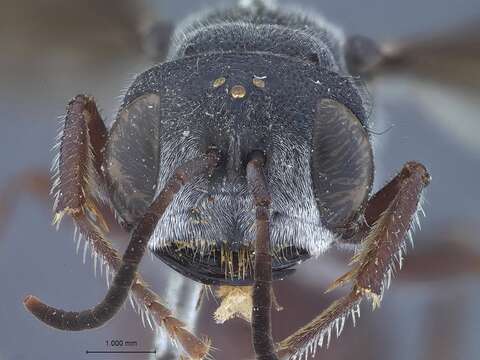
448	58
126	274
262	301
146	298
390	212
182	294
77	177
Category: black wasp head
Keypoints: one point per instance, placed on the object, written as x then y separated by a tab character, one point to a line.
309	123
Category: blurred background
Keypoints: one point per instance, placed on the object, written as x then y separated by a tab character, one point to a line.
53	50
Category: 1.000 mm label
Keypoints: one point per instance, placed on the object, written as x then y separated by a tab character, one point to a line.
120	343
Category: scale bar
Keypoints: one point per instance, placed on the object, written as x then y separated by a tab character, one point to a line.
121	352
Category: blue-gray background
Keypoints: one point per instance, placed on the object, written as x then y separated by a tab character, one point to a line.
36	259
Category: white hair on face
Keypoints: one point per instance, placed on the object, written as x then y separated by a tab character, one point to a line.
231	216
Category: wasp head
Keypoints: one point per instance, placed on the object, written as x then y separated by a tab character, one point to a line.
308	122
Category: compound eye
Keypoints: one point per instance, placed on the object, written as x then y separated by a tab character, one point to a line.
132	156
341	163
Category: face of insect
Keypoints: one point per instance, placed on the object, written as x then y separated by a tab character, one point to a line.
307	121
